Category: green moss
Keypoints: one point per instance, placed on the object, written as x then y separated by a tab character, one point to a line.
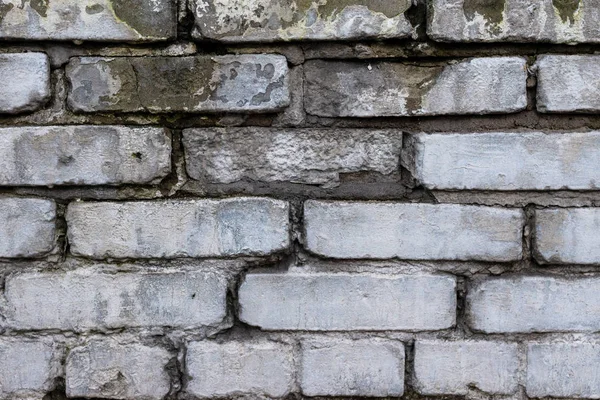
566	9
491	10
40	6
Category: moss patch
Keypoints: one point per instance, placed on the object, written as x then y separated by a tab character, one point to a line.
491	10
40	6
566	9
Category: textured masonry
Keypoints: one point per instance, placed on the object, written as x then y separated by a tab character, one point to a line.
25	81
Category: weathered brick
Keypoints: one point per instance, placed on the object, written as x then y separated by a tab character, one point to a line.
234	368
25	80
413	231
568	84
98	20
105	368
534	304
568	370
83	155
361	89
178	228
330	302
567	236
27	227
268	21
514	21
444	367
312	156
86	299
367	367
505	161
244	83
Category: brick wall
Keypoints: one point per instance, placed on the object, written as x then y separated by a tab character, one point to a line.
284	198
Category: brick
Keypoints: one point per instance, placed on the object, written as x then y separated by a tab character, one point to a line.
234	368
284	20
563	370
226	155
27	227
104	368
98	20
333	302
567	236
28	367
368	367
453	368
87	299
514	21
412	231
178	228
568	84
380	89
244	83
534	304
25	81
83	155
505	161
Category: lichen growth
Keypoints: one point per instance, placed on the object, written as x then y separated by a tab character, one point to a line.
491	10
566	9
329	10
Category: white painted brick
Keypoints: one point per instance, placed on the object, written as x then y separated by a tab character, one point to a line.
413	231
178	228
104	368
237	368
86	299
505	161
451	368
25	81
330	302
567	236
368	367
534	304
27	227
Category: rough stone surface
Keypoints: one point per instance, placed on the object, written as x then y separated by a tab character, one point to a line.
568	370
238	368
505	161
452	368
244	83
178	228
332	302
361	89
311	156
25	81
534	304
368	367
294	114
27	227
413	231
269	21
104	368
567	236
95	20
83	155
556	21
87	299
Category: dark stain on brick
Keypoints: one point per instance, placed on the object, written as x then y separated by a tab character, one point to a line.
491	10
137	14
5	9
40	6
566	9
265	96
94	9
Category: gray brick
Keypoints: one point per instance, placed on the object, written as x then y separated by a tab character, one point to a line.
567	370
568	84
25	81
412	231
283	20
311	156
83	155
379	89
27	227
367	367
567	236
86	299
452	368
244	83
505	161
100	20
534	304
514	21
234	368
333	302
178	228
105	368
